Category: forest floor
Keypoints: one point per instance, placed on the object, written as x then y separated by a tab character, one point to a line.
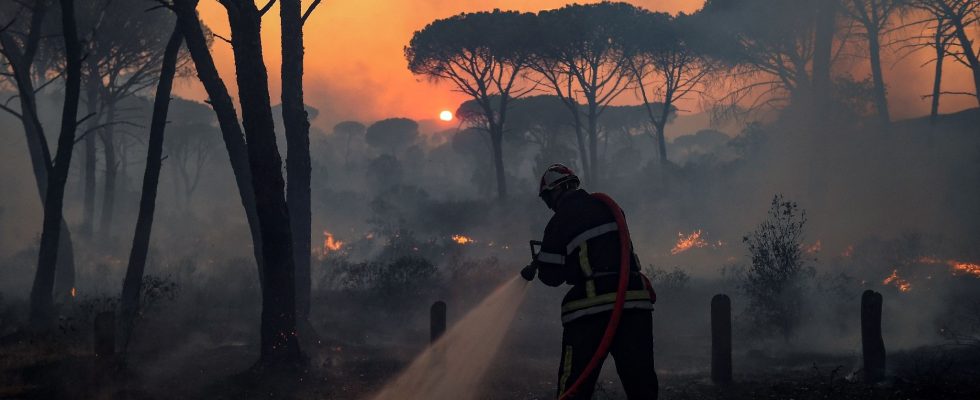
44	368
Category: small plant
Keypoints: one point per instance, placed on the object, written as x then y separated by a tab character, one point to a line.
156	290
775	281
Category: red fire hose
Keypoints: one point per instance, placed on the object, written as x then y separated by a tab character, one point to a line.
617	312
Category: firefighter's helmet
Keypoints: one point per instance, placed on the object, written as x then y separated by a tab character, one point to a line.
555	176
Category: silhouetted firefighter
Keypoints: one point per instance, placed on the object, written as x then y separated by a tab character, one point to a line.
582	246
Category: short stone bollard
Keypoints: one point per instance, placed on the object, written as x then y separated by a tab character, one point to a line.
721	339
105	334
872	344
437	320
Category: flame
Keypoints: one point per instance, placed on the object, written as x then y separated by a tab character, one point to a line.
956	267
685	243
813	248
902	284
330	244
460	239
848	251
965	268
73	292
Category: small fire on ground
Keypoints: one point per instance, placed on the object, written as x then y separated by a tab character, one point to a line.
956	267
813	248
330	244
460	239
893	279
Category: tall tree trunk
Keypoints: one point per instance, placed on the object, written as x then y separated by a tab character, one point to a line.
970	55
278	330
88	197
826	25
877	76
111	171
224	109
298	170
593	143
41	296
937	82
497	143
583	153
37	144
151	179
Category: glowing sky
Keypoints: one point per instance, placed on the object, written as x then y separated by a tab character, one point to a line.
355	68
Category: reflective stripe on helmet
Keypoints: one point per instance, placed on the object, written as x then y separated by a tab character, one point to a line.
551	258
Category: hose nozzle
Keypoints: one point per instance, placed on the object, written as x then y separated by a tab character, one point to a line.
529	272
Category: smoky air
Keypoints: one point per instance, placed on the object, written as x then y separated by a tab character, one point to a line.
721	199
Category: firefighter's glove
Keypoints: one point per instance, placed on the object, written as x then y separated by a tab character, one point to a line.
529	272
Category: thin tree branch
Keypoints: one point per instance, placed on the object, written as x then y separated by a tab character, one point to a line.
309	11
266	8
224	39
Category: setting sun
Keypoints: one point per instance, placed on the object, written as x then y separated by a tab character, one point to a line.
446	115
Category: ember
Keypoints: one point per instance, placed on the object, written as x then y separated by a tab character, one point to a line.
460	239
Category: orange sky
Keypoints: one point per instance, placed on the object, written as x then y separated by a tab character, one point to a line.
355	68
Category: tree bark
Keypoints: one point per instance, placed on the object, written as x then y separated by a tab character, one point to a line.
151	179
21	61
88	197
937	83
877	76
823	55
278	331
497	143
970	55
593	132
224	109
41	296
111	169
298	170
583	153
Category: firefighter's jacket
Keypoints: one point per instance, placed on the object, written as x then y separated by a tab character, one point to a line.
581	248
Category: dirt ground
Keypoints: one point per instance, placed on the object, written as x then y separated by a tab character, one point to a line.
44	368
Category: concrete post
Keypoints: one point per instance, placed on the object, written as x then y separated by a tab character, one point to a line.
437	320
873	346
721	339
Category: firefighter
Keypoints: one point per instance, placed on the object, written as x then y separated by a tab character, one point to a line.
581	248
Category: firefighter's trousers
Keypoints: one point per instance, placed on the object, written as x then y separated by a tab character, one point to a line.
632	350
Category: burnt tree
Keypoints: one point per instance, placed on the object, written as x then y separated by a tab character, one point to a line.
21	50
151	179
279	344
41	296
297	126
224	109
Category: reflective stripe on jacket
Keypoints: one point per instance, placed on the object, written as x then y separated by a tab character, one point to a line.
581	248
